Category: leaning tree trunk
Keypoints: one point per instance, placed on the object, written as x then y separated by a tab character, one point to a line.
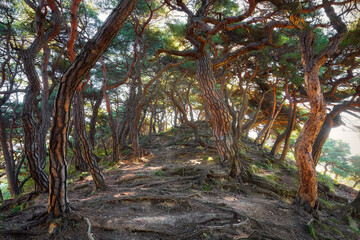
219	117
281	137
58	202
332	119
89	156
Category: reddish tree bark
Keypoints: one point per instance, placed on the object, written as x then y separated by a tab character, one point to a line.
311	64
58	202
219	117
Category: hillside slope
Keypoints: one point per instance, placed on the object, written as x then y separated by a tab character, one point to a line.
179	191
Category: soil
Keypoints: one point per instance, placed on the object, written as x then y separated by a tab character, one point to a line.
179	191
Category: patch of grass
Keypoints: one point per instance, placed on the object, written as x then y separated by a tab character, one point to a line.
18	208
205	187
311	230
352	224
255	169
272	177
326	180
126	152
325	204
158	173
83	174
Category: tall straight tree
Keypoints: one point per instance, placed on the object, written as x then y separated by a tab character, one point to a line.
58	202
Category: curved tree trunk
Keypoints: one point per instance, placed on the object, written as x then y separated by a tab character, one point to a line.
219	117
30	126
58	202
311	64
88	153
304	144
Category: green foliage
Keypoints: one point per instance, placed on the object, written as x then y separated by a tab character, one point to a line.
311	230
352	224
326	204
335	157
205	187
158	173
326	180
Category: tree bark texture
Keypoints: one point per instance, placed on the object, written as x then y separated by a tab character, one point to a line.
95	113
219	116
91	52
134	112
31	127
311	63
289	129
332	119
88	152
304	144
9	161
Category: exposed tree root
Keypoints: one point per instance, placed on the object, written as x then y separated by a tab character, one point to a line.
273	187
260	235
22	199
89	234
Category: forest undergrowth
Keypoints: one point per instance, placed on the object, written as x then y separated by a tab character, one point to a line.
179	191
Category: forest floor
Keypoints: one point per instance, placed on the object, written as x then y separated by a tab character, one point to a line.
179	191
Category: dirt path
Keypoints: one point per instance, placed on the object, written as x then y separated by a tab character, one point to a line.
176	192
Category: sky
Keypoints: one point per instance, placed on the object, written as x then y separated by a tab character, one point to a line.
348	133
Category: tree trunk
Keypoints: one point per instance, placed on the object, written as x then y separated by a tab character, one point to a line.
256	115
112	123
80	164
288	132
88	153
219	117
244	108
58	201
281	137
304	144
311	63
30	126
9	161
92	124
271	123
134	117
332	119
187	122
